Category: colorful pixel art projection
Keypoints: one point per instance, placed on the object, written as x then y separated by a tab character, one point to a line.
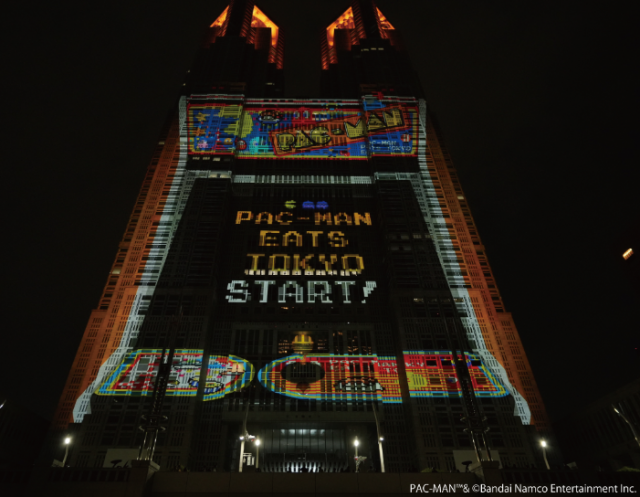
432	374
340	378
298	132
137	373
226	375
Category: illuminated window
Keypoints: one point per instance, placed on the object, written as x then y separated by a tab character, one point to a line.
628	253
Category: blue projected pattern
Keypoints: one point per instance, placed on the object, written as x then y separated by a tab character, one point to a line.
302	132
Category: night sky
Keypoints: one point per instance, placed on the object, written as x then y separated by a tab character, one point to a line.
538	103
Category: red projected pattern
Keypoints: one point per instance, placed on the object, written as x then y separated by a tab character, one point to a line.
138	371
432	374
334	132
345	378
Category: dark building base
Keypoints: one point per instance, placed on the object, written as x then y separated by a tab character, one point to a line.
143	480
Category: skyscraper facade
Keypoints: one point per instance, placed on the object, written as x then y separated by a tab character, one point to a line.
308	272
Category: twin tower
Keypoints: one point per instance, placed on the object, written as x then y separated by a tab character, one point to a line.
301	272
361	53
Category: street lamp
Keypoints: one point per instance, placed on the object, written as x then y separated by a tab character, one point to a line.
257	453
380	439
634	430
356	443
543	444
245	433
241	453
244	438
67	441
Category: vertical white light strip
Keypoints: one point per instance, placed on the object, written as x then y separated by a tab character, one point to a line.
425	193
179	191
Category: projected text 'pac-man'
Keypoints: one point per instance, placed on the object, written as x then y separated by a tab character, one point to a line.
277	255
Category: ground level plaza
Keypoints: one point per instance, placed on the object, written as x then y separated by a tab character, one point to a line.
145	480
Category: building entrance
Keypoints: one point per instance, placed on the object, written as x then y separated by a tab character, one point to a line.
305	463
303	448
